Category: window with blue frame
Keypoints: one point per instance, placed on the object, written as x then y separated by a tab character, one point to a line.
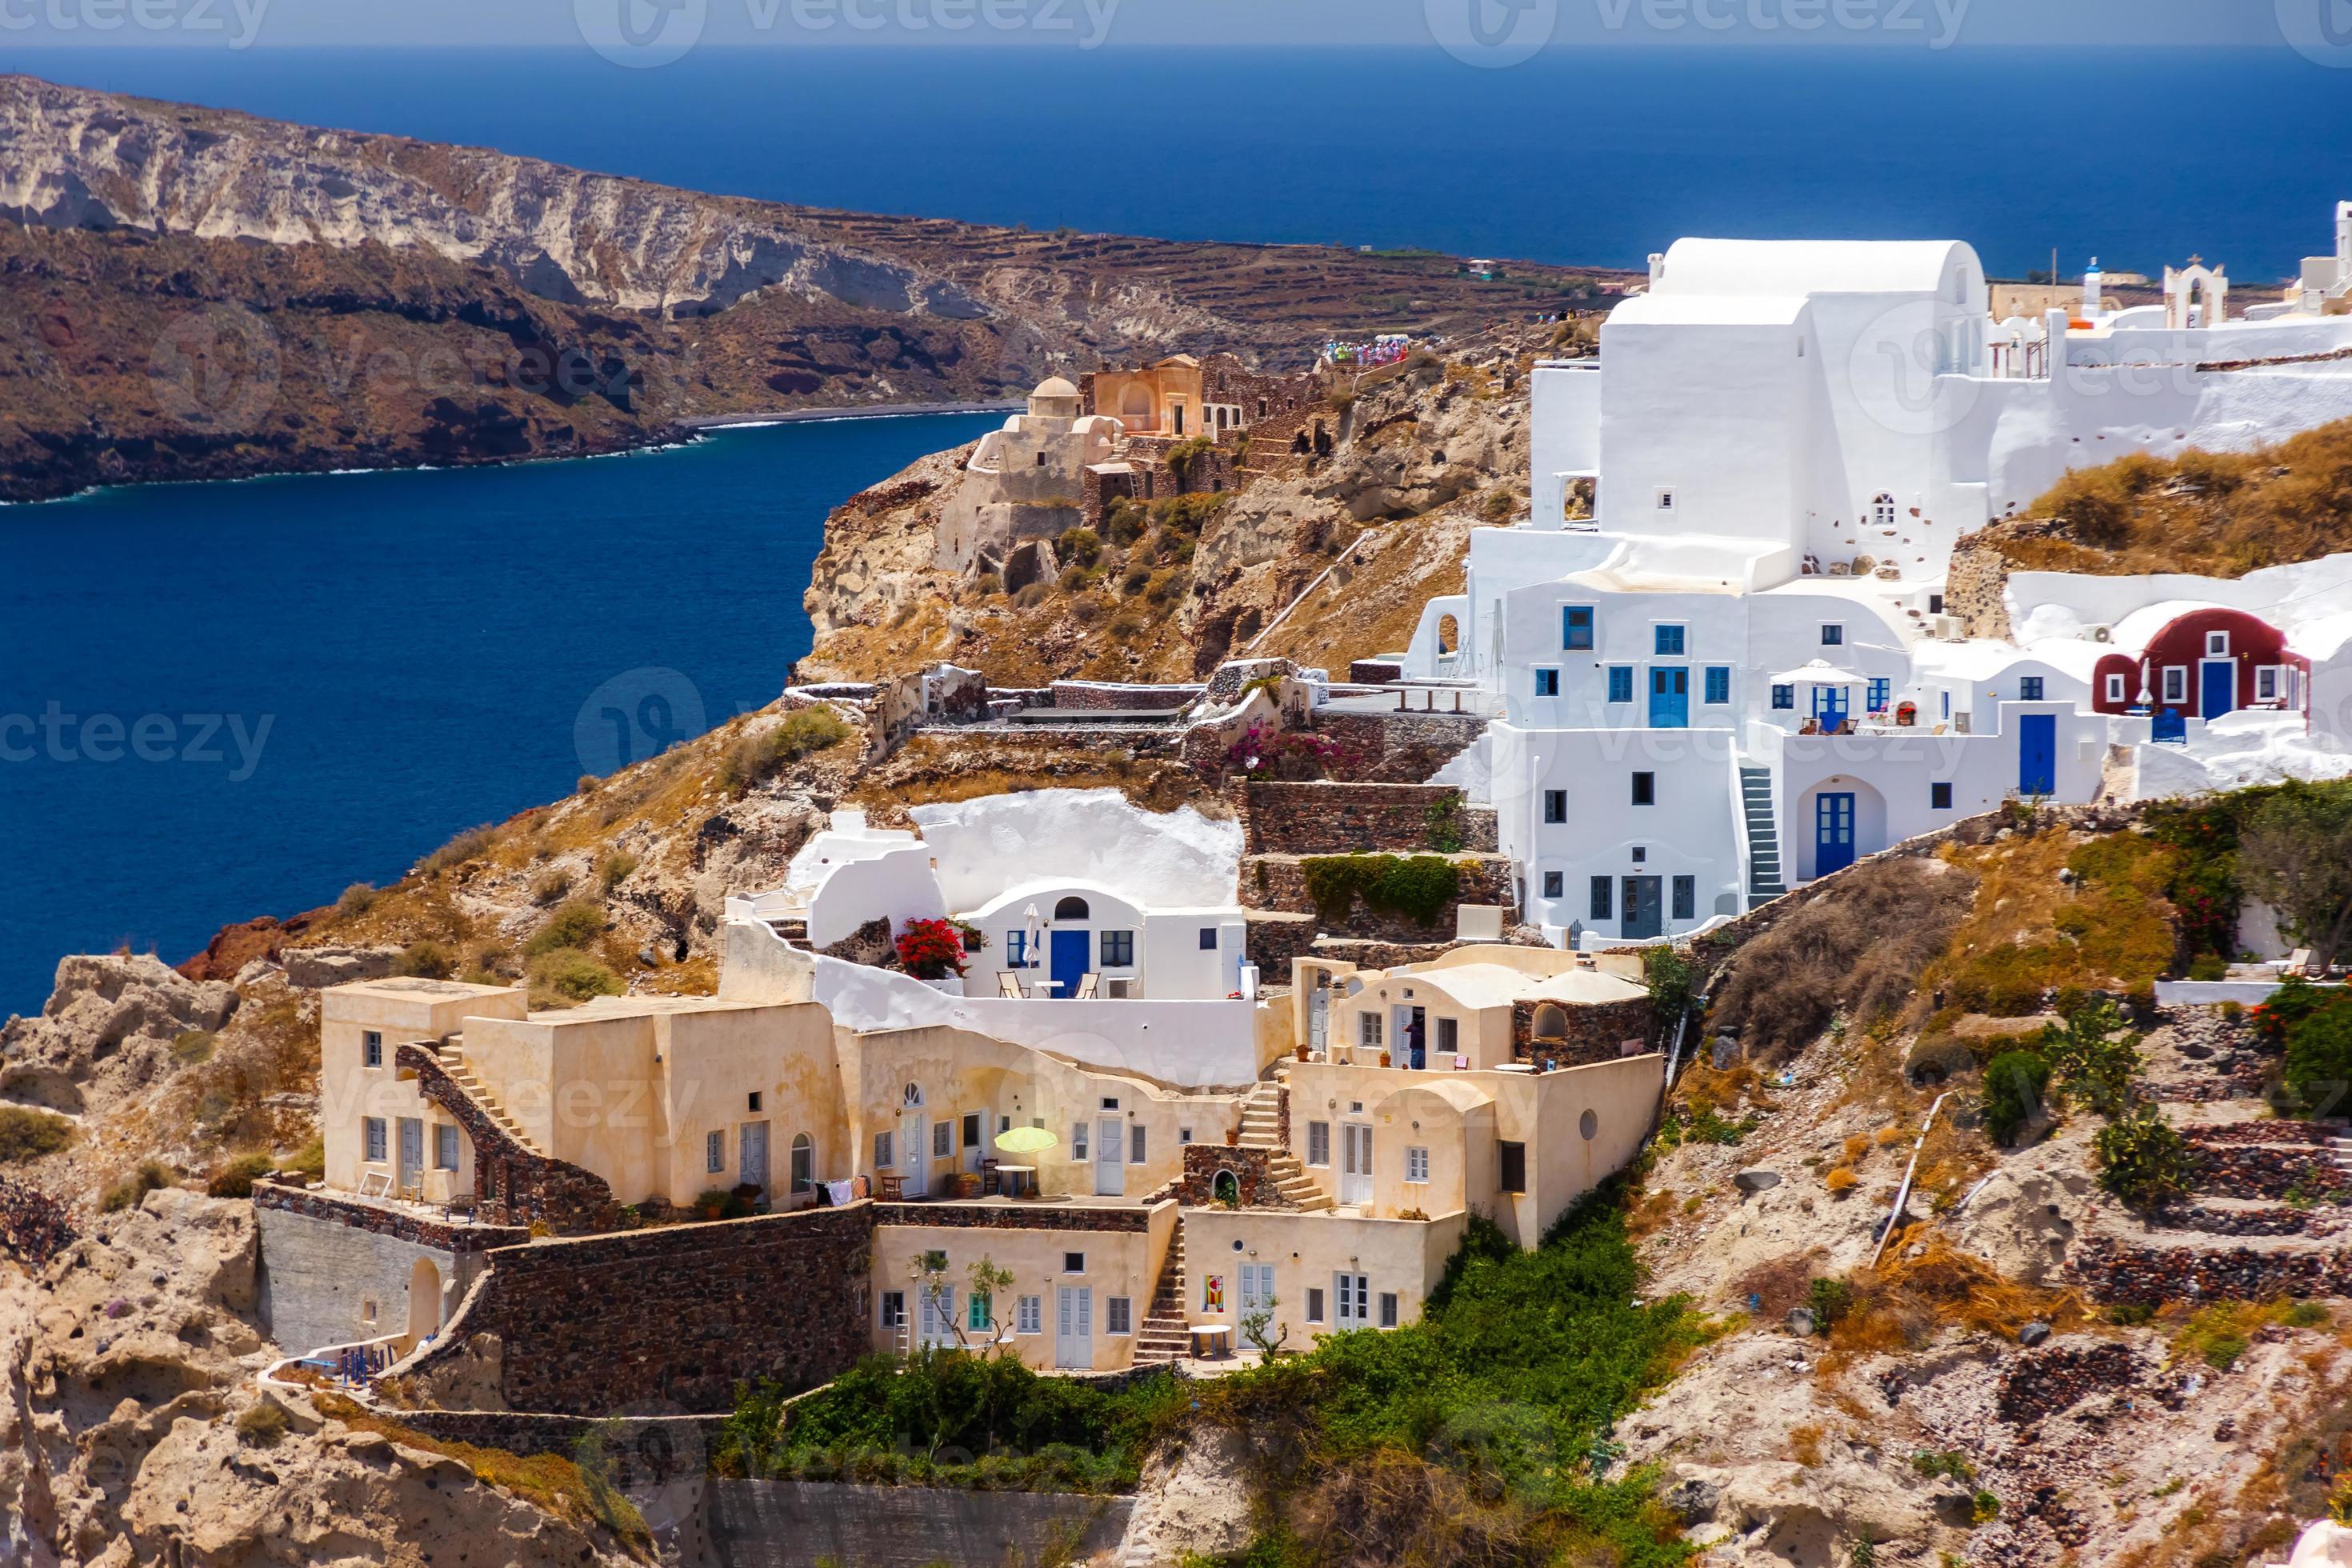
1555	884
2029	689
1554	806
1670	641
1117	949
1686	898
1719	683
1547	683
1576	626
1833	636
1881	689
1784	697
1015	948
1208	939
1620	683
1602	899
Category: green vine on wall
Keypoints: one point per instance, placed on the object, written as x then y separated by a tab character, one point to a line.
1418	886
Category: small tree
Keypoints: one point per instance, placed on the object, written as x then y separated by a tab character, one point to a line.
1258	1320
2014	1085
2094	1055
990	1285
2141	1159
2295	855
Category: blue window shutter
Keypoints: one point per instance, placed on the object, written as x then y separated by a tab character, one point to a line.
1620	683
1719	683
1784	697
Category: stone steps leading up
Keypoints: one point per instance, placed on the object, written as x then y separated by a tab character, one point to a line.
1764	879
1163	1336
453	1062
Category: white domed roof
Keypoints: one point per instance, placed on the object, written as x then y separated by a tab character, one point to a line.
1055	387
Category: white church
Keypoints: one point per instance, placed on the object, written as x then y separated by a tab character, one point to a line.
1719	643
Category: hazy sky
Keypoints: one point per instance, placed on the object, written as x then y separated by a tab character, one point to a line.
31	23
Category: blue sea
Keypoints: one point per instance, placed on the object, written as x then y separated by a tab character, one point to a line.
430	650
222	700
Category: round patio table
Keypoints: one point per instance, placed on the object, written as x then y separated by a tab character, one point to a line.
1019	1177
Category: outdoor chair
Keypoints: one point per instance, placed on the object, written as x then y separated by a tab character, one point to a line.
1087	987
1006	986
894	1187
990	1182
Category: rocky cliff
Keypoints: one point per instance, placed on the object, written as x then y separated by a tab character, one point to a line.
194	293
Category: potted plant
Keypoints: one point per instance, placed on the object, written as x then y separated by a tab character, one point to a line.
1385	1058
932	952
1232	1137
1302	1053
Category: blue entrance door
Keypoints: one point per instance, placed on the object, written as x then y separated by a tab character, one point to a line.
1670	698
2219	683
1832	833
1645	911
2037	754
1069	961
1829	706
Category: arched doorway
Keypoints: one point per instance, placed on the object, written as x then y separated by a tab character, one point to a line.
1449	636
424	1301
1135	406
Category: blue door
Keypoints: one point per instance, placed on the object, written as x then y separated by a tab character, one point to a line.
1670	698
2219	683
1829	706
2037	754
1832	833
1069	966
2168	725
1644	909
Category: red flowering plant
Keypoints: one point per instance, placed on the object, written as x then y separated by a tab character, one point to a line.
1298	755
931	950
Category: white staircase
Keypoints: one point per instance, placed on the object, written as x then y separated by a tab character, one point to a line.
1764	880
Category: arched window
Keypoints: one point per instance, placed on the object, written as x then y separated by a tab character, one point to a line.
1226	1187
803	1163
1072	908
1882	510
1551	1023
911	1097
1449	636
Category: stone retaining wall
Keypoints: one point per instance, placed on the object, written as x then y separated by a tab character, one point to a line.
1253	1168
2109	1271
630	1441
2278	1131
442	1235
1279	882
1399	748
2040	1383
1016	1216
679	1314
1094	696
1332	818
1596	1032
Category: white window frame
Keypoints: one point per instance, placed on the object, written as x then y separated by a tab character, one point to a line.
374	1140
1832	633
1118	1315
1078	1145
2267	683
2116	692
1136	1145
1416	1165
446	1142
942	1140
894	1308
1319	1143
1314	1303
371	1049
2217	645
2176	683
1368	1029
1665	497
1029	1315
714	1152
884	1147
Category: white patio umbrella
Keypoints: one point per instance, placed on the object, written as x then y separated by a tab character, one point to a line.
1819	672
1033	932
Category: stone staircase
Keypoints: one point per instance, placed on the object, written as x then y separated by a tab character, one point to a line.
2343	1147
453	1062
1262	1128
1764	882
1161	1337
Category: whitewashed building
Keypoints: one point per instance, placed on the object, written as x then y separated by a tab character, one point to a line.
1719	641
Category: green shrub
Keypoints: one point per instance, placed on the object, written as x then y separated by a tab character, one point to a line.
617	868
425	960
757	758
471	845
1078	546
235	1179
1949	1464
263	1426
2095	1054
1830	1300
2317	1029
551	887
194	1046
309	1161
575	925
357	899
1031	595
568	974
1984	1508
29	1134
589	783
2209	967
2015	1086
150	1177
1418	886
2141	1159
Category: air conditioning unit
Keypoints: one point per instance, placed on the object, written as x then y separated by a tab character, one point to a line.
2102	634
1949	629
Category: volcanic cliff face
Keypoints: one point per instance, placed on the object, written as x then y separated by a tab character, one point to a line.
192	293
